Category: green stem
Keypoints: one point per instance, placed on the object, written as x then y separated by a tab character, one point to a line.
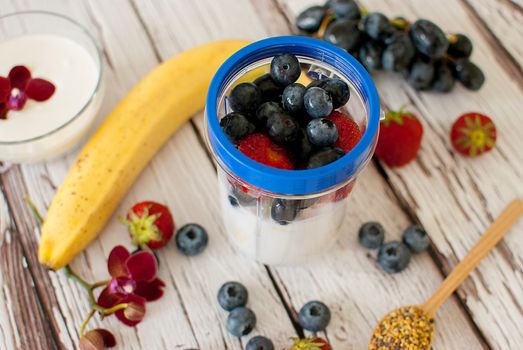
111	310
86	321
33	209
69	272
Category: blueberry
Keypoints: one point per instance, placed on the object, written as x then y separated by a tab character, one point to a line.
270	91
302	147
285	69
284	211
191	239
377	26
232	295
416	238
317	102
322	132
236	126
428	38
292	97
241	197
393	256
233	201
241	321
344	9
317	83
245	98
324	157
421	74
443	78
370	55
259	343
371	235
310	20
398	53
265	111
469	74
314	316
282	128
338	90
343	33
460	46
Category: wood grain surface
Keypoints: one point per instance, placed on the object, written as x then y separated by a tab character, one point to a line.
454	198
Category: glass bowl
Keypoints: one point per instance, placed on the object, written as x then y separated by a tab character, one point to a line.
43	130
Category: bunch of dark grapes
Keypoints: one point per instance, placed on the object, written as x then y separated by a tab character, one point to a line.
428	58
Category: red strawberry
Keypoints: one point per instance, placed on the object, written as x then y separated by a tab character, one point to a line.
400	138
349	133
311	344
473	134
344	192
150	223
260	148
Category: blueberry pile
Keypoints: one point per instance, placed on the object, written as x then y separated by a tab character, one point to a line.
429	59
393	256
292	115
314	316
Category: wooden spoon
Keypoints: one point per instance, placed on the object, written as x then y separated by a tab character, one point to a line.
411	327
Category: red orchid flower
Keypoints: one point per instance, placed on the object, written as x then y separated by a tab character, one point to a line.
133	282
19	86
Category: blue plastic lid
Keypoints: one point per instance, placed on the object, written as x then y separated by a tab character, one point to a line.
293	182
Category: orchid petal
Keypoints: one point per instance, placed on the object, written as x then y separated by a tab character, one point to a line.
151	291
116	262
19	76
3	111
5	89
138	303
142	266
39	89
106	299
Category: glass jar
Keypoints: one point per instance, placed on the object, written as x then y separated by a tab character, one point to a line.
285	216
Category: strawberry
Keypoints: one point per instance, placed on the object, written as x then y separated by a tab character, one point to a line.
150	223
344	192
262	149
311	344
400	138
349	133
473	134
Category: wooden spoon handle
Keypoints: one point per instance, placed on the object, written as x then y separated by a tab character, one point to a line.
490	238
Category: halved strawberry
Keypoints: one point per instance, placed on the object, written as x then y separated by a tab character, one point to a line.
262	149
312	343
349	133
344	192
150	223
473	134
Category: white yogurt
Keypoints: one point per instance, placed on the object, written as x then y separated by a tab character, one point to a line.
75	74
261	238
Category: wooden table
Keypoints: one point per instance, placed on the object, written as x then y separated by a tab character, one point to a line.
454	198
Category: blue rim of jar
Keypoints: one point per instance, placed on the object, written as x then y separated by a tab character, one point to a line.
292	182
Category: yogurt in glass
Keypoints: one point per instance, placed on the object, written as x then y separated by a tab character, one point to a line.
249	191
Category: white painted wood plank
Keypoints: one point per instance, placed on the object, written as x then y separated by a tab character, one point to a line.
188	316
456	198
505	21
347	278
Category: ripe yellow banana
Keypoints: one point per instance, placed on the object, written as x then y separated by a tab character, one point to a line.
122	146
